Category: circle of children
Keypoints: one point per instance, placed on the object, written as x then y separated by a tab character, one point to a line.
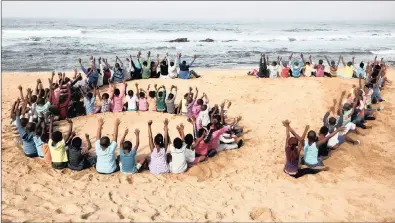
34	116
353	110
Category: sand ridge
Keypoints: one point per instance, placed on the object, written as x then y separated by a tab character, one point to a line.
239	185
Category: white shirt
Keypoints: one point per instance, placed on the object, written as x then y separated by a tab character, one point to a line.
126	71
204	117
273	70
178	162
132	102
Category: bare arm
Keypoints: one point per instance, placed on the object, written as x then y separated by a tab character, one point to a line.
99	128
69	131
196	95
344	64
150	139
123	138
319	143
137	133
166	135
116	127
88	141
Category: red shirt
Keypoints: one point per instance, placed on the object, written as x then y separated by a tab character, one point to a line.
285	72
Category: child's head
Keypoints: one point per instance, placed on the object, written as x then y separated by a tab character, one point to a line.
105	96
188	140
159	141
130	93
274	63
346	107
324	130
89	95
116	65
24	122
57	136
349	63
171	96
142	95
40	101
362	65
160	94
184	62
333	63
332	121
293	142
104	142
177	143
189	100
296	63
76	142
199	101
152	63
41	93
30	127
186	96
44	137
285	63
152	94
308	63
172	63
117	92
127	146
312	136
203	108
145	63
33	99
200	132
320	62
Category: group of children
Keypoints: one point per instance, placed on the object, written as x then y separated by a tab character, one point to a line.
138	69
351	114
299	67
34	115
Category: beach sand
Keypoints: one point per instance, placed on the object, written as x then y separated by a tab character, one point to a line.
240	185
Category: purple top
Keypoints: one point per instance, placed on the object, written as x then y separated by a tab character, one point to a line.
291	165
158	164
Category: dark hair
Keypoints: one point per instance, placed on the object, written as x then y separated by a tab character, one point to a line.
30	127
127	145
105	96
308	63
57	137
199	101
361	65
41	93
152	94
332	121
200	132
89	95
130	93
89	69
188	140
333	62
312	136
160	94
292	144
171	96
142	94
105	141
324	130
152	63
117	92
116	65
45	137
24	122
145	63
349	63
40	101
177	142
76	142
320	62
158	140
203	107
274	63
172	63
33	99
296	63
184	62
186	95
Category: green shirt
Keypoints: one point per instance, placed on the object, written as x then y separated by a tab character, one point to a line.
146	69
160	102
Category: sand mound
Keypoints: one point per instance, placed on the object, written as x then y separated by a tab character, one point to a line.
241	185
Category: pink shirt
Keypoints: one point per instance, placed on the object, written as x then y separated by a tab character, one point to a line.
118	100
143	105
196	108
55	98
152	104
320	70
202	148
214	141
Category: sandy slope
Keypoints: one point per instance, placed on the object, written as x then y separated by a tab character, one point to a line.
242	185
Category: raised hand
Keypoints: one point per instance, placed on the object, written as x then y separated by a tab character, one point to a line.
117	122
136	132
149	122
166	122
100	121
20	87
79	61
126	132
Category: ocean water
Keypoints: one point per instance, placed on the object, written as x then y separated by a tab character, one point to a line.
46	45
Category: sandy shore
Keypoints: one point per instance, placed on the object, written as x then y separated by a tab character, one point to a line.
242	185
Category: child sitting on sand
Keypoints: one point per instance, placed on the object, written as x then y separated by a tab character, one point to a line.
105	150
320	69
308	66
78	157
105	102
117	97
348	69
332	67
160	98
27	135
132	100
89	102
171	108
151	99
296	67
273	68
158	146
57	147
127	154
143	103
180	154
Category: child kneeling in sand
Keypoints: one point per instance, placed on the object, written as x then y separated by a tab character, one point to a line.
127	154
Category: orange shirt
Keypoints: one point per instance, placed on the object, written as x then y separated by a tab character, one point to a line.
285	72
47	153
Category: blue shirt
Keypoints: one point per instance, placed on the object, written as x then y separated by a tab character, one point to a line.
128	161
310	153
106	158
361	72
184	69
118	75
29	147
39	145
296	69
89	105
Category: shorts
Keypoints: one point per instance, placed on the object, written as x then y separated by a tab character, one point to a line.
138	166
59	166
319	163
31	155
349	126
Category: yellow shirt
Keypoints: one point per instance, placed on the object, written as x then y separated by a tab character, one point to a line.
348	71
58	152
